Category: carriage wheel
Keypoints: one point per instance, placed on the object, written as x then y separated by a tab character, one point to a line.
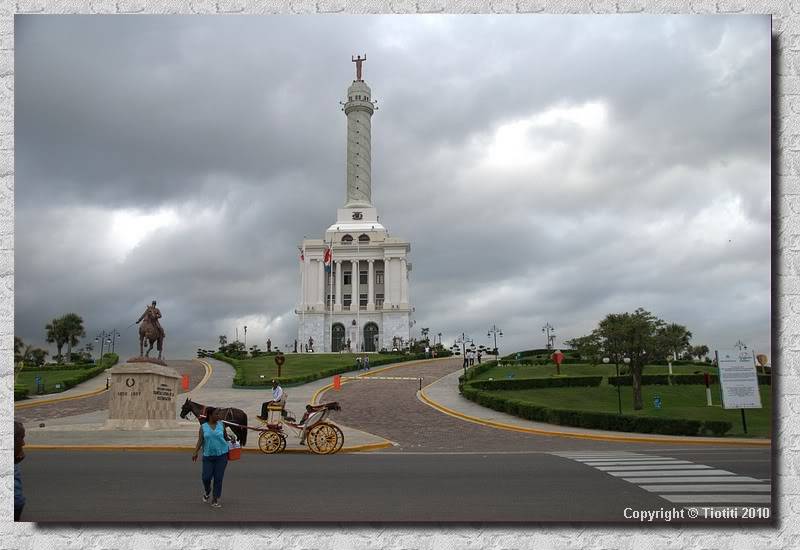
283	443
271	442
323	438
339	439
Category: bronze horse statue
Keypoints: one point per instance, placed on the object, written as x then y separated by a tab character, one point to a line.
229	414
149	329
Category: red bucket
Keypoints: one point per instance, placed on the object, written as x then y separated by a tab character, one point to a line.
234	452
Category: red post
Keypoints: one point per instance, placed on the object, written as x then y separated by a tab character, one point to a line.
185	382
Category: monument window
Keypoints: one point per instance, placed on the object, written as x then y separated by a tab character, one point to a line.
347	278
362	300
379	300
346	299
347	239
379	277
363	238
362	277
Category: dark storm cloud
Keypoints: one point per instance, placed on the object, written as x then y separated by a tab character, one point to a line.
636	172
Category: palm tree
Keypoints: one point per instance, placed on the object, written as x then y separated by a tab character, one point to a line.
424	331
223	340
74	331
56	334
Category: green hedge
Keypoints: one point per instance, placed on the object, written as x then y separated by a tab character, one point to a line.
65	366
528	383
595	420
288	381
665	379
20	392
108	360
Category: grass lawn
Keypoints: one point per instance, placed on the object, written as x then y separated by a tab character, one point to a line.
582	369
49	378
684	401
297	364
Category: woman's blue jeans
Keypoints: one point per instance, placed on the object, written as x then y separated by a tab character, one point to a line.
214	468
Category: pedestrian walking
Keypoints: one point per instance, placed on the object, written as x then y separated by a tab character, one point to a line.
213	439
358	362
466	361
366	362
479	357
19	455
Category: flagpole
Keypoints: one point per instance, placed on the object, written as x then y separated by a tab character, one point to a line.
358	311
303	293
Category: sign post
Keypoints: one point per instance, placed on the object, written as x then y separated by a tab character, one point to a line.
279	360
739	381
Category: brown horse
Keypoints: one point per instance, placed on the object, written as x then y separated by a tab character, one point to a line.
147	329
202	413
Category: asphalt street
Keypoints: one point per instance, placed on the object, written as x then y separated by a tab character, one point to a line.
369	487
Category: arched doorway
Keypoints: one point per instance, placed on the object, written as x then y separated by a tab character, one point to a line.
370	337
337	333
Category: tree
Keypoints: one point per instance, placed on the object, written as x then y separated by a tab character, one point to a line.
37	356
635	336
223	340
56	334
588	347
74	330
700	351
675	338
424	331
19	346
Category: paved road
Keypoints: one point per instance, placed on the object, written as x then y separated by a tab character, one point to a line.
370	487
99	402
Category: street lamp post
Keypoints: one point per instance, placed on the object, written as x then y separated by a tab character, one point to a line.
548	330
741	345
114	336
463	339
497	332
245	337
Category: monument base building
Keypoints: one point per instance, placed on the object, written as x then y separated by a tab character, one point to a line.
354	282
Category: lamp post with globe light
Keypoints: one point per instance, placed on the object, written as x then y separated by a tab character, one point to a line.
496	332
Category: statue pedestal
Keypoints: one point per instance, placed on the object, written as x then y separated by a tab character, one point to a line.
143	397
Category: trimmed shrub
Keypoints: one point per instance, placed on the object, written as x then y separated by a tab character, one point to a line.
528	383
20	392
595	420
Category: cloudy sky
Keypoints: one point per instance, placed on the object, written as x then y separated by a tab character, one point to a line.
544	168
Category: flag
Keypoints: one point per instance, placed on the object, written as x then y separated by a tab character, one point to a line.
327	259
302	255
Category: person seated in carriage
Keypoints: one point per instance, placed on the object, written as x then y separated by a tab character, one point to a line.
278	398
312	414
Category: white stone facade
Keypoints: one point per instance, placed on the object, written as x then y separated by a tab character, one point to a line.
364	297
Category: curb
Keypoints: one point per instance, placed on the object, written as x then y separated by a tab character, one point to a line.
58	399
181	448
597	437
209	371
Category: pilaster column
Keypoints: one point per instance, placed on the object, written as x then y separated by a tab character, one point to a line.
371	286
320	283
403	282
338	295
387	283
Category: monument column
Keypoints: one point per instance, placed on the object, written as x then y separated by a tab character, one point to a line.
387	283
371	286
338	296
320	282
359	109
403	282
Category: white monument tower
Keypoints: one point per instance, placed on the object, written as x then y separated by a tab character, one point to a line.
354	281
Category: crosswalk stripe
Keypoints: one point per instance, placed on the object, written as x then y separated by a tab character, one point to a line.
664	473
683	488
637	463
658	467
717	498
699	479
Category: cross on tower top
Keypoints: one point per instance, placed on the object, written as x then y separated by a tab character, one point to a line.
358	61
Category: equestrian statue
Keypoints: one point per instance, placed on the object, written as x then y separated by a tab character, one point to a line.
150	329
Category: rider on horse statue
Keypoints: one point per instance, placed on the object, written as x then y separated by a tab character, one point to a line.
155	314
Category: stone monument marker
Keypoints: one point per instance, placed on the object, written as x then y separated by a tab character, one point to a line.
143	397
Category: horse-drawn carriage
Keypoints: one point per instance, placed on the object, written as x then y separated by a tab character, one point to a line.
322	437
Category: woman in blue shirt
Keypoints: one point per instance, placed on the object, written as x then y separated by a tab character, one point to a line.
213	439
